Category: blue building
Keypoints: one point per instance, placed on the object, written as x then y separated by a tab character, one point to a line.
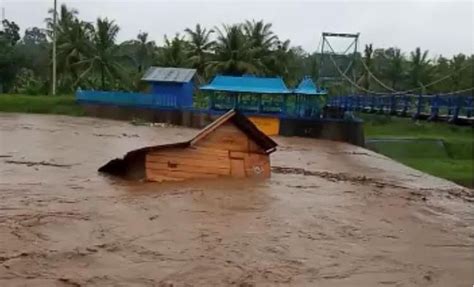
247	93
171	85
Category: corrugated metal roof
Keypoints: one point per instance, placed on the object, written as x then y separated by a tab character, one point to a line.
307	87
247	84
165	74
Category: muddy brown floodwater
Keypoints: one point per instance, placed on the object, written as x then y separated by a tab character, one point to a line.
331	215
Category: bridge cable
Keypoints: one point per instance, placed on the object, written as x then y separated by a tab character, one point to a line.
394	91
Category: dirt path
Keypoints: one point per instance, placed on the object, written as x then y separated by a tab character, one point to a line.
331	215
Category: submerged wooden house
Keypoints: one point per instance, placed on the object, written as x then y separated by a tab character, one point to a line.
230	146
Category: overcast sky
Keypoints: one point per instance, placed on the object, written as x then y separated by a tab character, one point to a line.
443	27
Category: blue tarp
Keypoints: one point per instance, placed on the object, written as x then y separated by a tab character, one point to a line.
307	87
247	84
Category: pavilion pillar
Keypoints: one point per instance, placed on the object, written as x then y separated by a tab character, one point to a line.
234	99
211	101
283	103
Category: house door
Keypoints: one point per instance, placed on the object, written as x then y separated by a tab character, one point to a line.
237	167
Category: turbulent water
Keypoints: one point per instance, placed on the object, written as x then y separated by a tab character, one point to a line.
331	215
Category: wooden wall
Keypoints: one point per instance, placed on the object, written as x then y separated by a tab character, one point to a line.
226	151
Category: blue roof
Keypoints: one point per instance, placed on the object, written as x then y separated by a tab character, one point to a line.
307	87
247	84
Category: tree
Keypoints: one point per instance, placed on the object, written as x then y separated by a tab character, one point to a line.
74	46
457	65
10	32
8	65
234	54
102	57
394	72
367	67
65	18
200	47
141	51
260	35
419	72
9	60
34	36
174	52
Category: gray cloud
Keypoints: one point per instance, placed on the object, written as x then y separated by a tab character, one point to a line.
441	27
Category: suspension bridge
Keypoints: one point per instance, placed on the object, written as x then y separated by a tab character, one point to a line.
454	107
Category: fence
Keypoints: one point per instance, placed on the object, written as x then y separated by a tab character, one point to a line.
128	99
454	108
287	106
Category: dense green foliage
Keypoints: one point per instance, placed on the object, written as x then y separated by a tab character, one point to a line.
90	57
436	148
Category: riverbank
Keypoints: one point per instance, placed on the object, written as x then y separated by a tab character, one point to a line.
59	105
439	149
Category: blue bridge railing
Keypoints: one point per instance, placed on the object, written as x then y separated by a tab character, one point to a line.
431	107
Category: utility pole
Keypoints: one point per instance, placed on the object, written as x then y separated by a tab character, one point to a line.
54	49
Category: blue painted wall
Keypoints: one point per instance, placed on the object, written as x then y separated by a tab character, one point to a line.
183	92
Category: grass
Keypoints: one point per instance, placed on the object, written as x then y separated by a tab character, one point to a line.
62	105
439	149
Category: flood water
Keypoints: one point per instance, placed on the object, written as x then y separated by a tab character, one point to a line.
331	215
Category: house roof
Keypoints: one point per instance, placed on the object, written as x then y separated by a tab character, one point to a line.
308	87
247	84
244	124
168	74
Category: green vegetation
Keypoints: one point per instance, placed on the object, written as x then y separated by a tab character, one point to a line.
90	57
435	148
62	105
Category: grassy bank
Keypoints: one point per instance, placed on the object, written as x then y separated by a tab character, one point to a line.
62	105
439	149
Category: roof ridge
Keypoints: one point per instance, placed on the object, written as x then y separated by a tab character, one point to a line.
243	124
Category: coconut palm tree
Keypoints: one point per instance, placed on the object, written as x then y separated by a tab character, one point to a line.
140	51
368	51
419	72
200	47
394	71
103	55
260	34
233	53
72	37
65	18
173	53
278	61
72	48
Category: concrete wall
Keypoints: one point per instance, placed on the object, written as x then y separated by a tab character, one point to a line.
330	129
338	130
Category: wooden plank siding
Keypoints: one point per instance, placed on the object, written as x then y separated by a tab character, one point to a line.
226	151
